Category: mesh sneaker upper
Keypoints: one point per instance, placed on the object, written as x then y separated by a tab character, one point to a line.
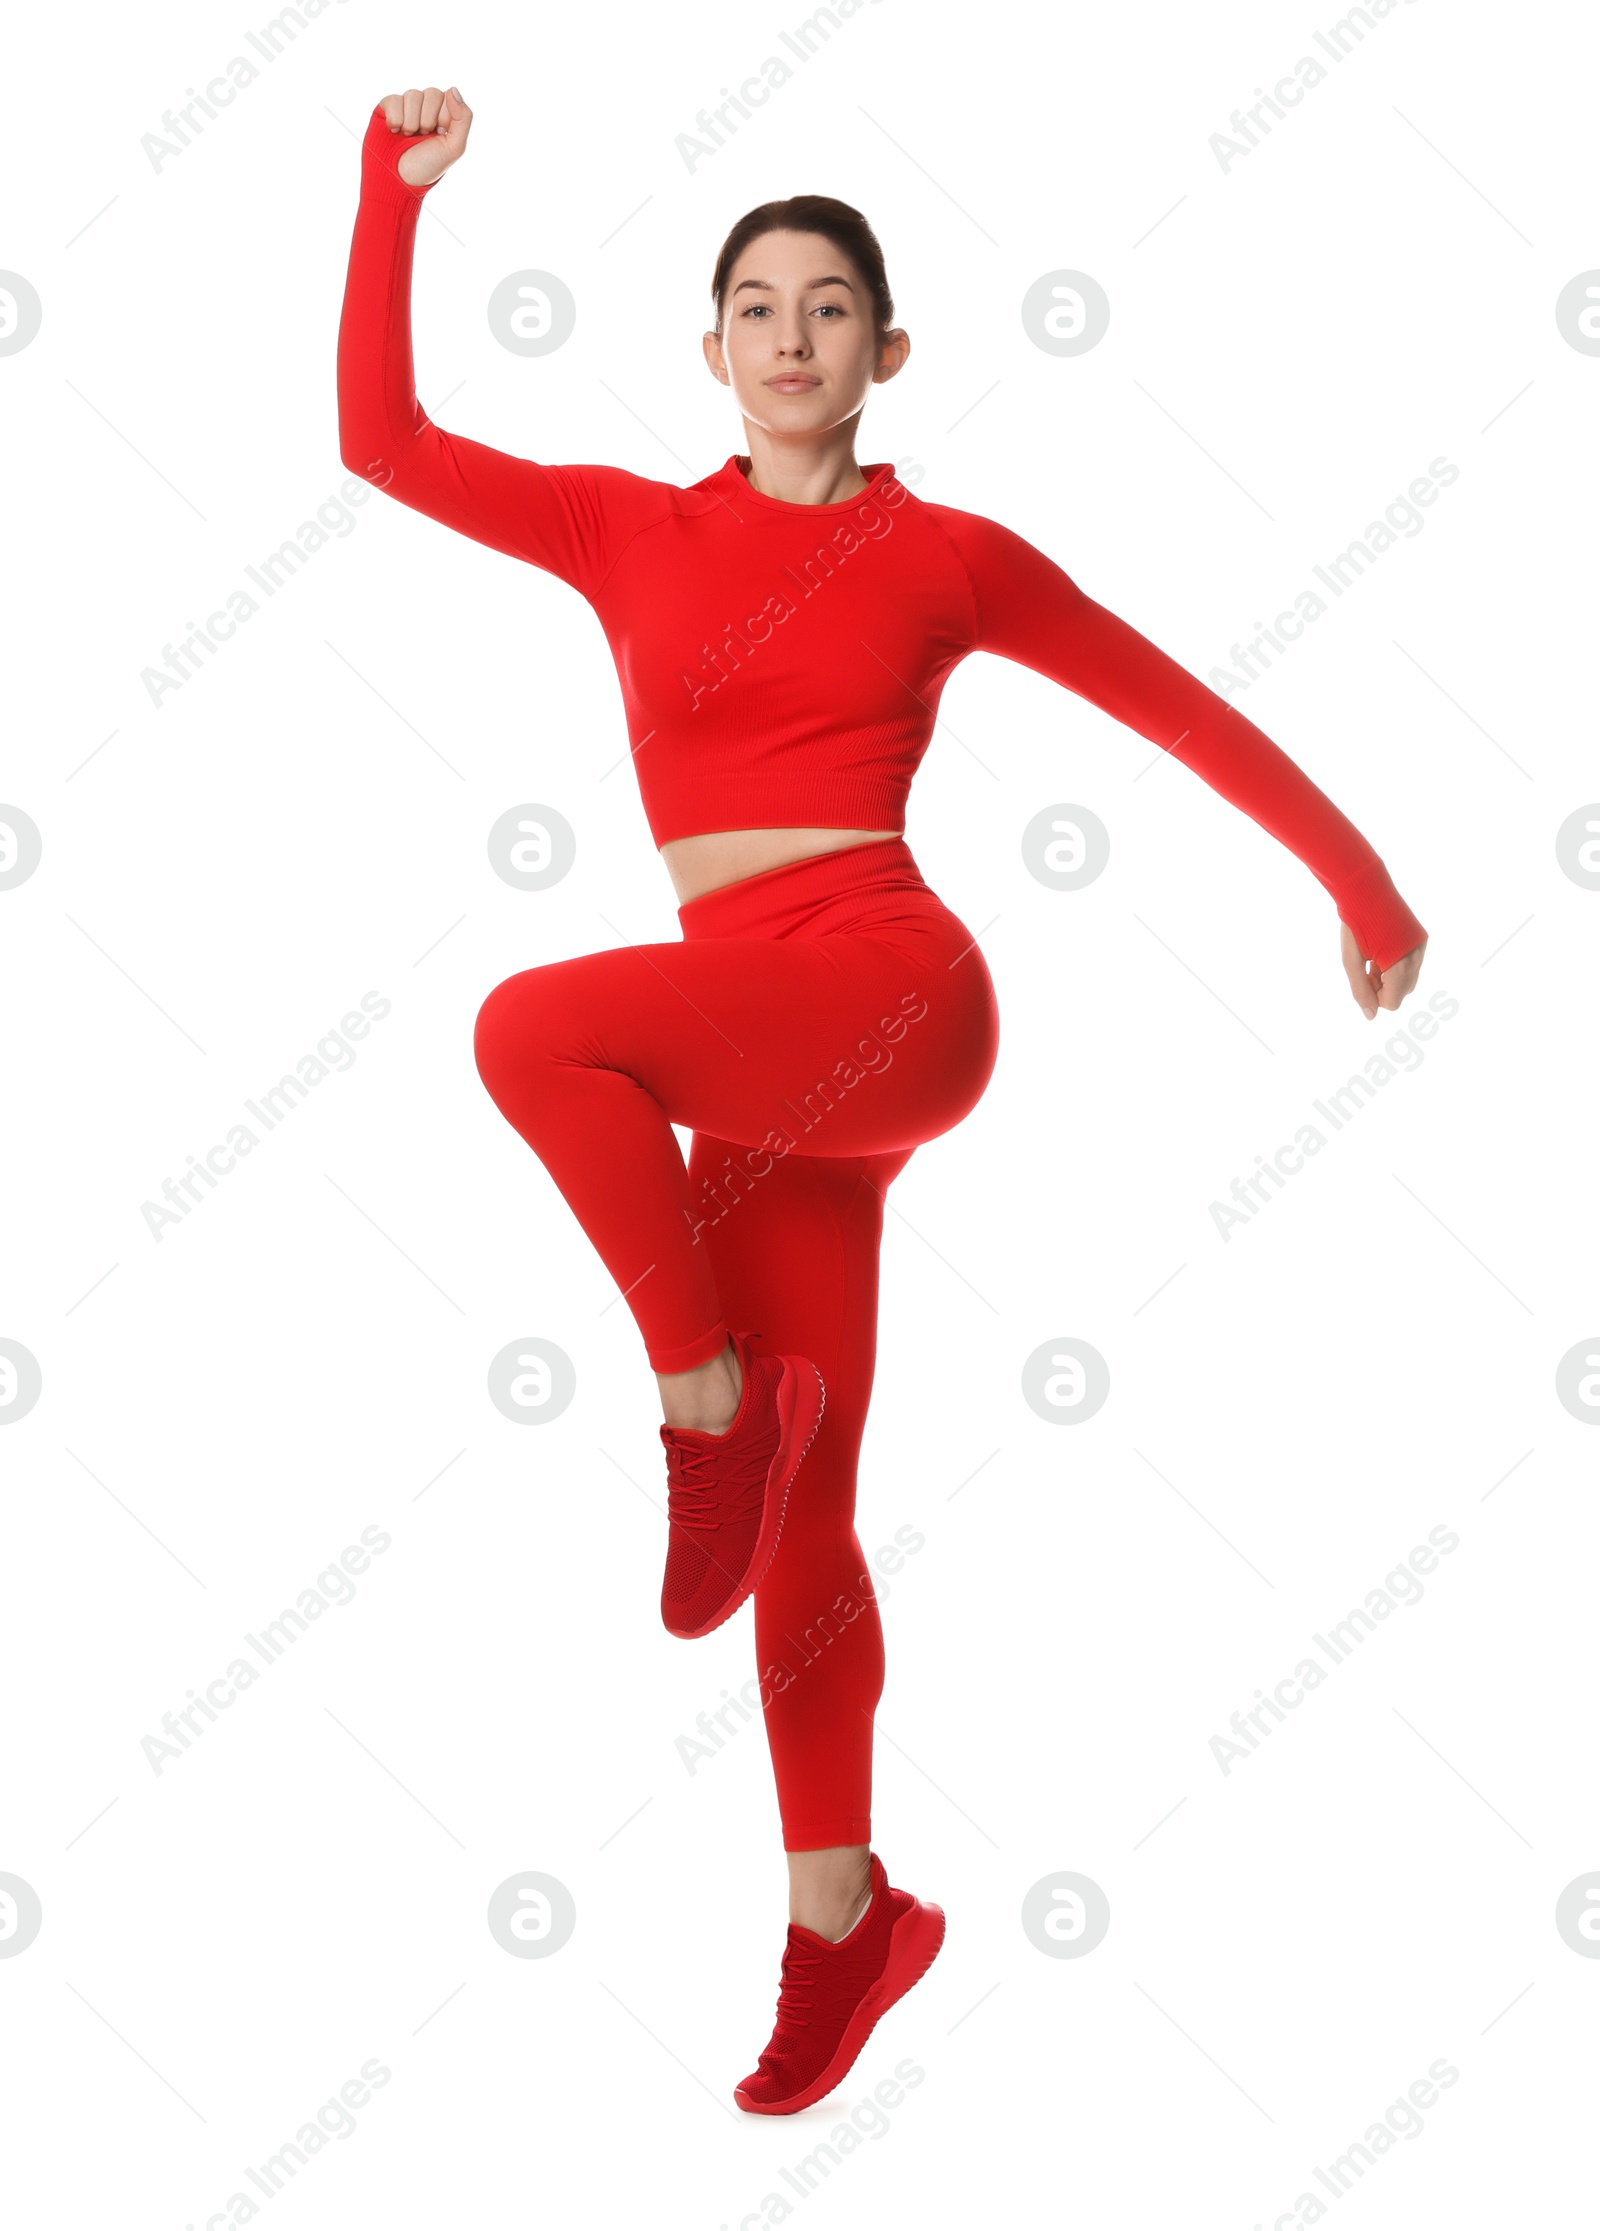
822	1986
716	1499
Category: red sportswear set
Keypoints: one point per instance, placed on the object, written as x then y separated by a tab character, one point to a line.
781	666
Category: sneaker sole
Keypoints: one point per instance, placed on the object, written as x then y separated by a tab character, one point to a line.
914	1943
801	1400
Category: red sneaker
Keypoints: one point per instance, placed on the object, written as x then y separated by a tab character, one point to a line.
726	1492
833	1994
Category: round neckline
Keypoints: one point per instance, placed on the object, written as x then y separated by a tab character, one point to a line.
875	475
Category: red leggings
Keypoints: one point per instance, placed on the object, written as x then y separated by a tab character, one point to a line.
816	1024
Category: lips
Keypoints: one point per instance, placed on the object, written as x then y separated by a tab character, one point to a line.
795	381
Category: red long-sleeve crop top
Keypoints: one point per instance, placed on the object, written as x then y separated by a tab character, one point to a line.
781	664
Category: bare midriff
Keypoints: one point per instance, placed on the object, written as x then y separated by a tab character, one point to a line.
701	864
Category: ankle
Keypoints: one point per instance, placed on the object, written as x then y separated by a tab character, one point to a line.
705	1400
833	1920
832	1906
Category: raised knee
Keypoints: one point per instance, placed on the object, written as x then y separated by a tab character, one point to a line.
515	1029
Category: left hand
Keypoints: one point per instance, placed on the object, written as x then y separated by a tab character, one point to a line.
1378	987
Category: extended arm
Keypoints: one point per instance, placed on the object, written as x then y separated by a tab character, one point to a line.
1029	610
569	519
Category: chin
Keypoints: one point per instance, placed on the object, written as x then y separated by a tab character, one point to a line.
816	410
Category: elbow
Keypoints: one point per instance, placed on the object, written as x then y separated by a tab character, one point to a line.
355	443
357	457
365	444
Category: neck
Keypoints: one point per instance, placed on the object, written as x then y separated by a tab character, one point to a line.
805	469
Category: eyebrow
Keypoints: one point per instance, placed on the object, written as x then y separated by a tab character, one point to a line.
835	280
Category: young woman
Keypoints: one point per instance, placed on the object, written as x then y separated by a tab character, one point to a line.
782	632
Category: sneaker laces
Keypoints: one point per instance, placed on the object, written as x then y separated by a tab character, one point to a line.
708	1487
795	2000
824	1983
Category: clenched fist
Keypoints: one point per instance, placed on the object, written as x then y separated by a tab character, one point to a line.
445	116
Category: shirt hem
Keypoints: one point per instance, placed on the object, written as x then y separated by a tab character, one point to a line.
720	806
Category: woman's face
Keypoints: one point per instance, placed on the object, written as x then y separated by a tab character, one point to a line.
798	345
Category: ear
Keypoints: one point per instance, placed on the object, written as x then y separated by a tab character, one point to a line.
715	360
893	350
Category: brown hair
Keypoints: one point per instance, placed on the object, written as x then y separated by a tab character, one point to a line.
836	221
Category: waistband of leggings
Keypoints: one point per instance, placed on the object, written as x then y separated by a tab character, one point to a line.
766	905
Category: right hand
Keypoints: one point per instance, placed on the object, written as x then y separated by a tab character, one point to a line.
1378	987
445	115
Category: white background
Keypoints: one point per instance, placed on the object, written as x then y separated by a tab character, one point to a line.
1373	1356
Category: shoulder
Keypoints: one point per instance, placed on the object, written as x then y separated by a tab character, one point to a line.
976	536
625	494
611	509
628	500
996	558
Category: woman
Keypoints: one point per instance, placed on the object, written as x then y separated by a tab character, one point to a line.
782	631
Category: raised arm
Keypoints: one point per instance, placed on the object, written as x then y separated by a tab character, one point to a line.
1030	611
571	520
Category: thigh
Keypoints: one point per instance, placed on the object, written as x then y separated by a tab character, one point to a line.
837	1046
